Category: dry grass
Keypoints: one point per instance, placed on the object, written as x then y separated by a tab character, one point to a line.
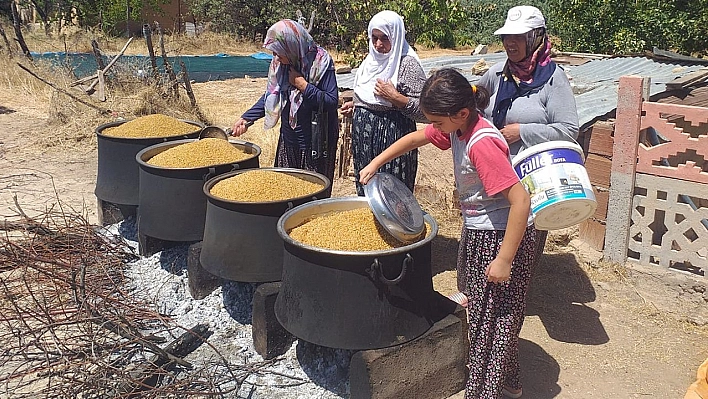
76	40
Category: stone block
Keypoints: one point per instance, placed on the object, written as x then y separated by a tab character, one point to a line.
109	213
429	367
201	283
481	49
148	245
270	339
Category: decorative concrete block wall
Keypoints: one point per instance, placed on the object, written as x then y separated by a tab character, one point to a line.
658	200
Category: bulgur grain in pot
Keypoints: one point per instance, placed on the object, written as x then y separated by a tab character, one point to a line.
156	125
199	154
263	186
353	230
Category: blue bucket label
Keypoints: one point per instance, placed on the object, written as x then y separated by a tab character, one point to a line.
554	176
547	158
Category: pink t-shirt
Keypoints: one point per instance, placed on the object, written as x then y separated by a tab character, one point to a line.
482	171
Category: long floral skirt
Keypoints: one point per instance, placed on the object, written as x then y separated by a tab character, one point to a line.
289	156
495	311
373	132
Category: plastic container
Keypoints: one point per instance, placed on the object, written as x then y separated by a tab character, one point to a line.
554	175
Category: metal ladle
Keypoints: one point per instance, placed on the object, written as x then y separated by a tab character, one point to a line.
217	132
213	132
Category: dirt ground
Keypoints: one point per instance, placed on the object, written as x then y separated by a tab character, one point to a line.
593	329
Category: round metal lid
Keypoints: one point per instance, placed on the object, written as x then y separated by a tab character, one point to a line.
394	206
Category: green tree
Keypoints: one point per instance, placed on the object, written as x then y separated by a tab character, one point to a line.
625	27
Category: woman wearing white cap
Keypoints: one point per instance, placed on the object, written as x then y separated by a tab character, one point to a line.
531	103
386	98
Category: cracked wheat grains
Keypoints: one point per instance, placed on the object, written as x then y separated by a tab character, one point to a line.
156	125
353	230
263	186
199	154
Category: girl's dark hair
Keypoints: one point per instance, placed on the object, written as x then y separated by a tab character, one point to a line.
447	91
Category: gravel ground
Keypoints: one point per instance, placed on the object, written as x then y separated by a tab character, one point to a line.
304	371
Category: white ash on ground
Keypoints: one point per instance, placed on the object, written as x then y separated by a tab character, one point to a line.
304	371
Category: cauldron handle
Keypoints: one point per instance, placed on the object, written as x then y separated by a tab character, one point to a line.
376	269
211	173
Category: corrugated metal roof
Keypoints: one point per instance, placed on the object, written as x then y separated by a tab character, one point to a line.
594	82
696	96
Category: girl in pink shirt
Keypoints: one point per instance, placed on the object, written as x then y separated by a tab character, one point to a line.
497	241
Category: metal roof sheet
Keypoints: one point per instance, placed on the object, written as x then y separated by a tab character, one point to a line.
594	82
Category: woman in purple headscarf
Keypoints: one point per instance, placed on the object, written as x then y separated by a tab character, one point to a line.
300	78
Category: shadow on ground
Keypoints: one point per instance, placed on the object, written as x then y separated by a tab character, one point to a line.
559	293
539	371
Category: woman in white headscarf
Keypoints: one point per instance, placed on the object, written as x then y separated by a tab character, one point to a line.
386	98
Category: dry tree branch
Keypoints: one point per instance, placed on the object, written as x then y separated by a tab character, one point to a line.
102	111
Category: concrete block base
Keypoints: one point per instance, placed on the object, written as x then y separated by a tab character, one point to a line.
109	213
270	339
201	283
429	367
148	245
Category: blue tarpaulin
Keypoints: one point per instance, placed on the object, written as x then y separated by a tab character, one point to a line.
201	68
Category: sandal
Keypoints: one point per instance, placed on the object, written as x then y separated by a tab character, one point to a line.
509	393
459	298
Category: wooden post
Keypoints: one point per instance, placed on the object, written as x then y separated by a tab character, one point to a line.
147	33
97	54
174	85
190	93
101	86
344	151
630	96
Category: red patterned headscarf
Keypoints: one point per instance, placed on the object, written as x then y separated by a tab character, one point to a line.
291	40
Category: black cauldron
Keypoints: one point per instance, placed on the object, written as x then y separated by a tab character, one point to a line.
354	300
172	204
241	241
117	178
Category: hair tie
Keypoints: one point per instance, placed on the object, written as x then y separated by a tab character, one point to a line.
474	89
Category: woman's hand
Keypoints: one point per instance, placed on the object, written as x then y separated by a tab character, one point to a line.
499	271
297	80
240	127
511	132
367	173
386	90
348	108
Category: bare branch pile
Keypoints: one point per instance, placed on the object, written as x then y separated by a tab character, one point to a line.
69	329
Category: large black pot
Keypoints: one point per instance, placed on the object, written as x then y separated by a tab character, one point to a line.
172	203
241	241
117	178
354	300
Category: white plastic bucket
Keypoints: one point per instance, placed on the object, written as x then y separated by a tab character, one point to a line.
554	175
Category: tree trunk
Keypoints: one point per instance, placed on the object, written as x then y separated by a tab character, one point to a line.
18	31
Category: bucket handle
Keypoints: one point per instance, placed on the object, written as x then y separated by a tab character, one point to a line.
375	271
235	166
